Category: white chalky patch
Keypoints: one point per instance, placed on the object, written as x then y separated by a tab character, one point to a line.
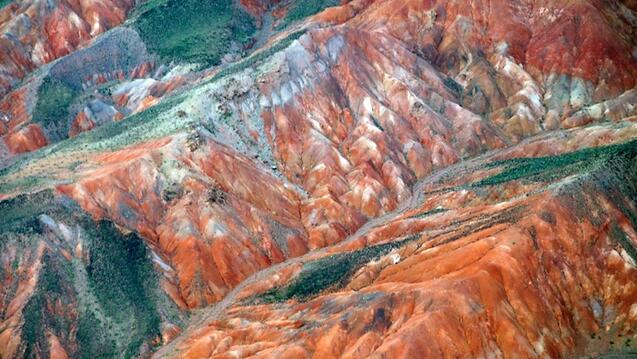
343	162
368	194
286	92
538	346
161	263
96	28
633	311
367	105
264	101
66	232
275	99
75	20
39	54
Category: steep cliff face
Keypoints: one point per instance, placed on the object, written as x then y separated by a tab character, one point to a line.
373	179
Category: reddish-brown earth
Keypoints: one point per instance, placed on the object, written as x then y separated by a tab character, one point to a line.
384	122
27	139
504	288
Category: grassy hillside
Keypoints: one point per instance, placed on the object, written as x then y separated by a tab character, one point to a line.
155	122
192	31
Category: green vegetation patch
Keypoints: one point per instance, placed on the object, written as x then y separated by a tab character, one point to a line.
546	169
122	278
92	339
53	285
332	272
301	9
52	109
20	214
453	85
617	179
192	31
429	213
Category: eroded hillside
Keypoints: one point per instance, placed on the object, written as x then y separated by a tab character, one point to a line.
288	179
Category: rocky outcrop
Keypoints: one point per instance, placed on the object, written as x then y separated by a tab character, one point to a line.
95	114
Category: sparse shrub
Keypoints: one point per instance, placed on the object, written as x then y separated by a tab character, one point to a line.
452	85
216	195
429	213
171	193
105	91
194	141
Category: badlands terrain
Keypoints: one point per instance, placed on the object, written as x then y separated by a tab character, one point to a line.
318	179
